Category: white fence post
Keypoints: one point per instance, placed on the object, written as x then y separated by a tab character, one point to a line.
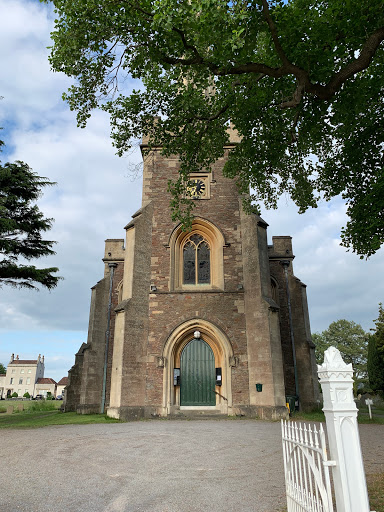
344	442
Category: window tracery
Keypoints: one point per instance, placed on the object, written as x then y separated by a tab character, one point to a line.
196	260
197	257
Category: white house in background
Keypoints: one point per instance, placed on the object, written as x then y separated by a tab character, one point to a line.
45	385
61	386
22	376
27	376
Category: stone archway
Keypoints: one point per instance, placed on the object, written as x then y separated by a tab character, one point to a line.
222	351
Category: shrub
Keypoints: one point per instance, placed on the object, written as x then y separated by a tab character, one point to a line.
14	395
27	395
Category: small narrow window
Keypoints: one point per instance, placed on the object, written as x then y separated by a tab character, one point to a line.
189	263
196	261
274	291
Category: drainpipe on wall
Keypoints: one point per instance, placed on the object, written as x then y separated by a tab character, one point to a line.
286	264
112	267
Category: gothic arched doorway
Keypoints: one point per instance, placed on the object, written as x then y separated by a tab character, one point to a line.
218	350
197	374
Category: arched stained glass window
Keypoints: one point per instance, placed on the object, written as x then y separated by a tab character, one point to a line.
196	260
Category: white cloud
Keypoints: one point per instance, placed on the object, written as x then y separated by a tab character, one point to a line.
29	89
340	284
92	201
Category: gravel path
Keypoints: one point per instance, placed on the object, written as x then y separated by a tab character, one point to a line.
154	466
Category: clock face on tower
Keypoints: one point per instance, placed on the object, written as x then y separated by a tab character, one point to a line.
197	188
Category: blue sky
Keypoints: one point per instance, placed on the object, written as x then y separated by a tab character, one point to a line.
96	196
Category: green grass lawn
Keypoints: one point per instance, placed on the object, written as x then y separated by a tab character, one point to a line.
362	417
42	413
36	419
30	404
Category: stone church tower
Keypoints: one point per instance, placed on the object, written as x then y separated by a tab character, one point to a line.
212	320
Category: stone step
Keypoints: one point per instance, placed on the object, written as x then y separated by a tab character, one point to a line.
199	415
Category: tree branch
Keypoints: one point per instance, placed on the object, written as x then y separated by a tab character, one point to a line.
293	128
213	117
275	38
362	62
296	98
186	45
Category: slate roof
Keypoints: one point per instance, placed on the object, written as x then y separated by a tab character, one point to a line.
45	380
23	361
63	381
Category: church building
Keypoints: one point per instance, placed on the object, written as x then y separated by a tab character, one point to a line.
209	321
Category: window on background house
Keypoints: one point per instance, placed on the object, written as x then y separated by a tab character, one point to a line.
20	381
29	371
22	370
19	392
13	371
11	381
28	380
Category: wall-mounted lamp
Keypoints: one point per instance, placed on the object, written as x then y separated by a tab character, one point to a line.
197	335
153	288
240	287
259	387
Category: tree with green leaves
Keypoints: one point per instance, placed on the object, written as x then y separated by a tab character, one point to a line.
300	80
3	369
352	342
376	354
21	227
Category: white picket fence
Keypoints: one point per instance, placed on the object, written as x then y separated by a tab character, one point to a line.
306	467
306	464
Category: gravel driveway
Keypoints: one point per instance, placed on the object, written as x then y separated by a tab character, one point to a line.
152	466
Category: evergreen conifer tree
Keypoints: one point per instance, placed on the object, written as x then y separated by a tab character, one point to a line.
21	228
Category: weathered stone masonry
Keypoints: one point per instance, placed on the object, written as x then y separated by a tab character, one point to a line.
241	314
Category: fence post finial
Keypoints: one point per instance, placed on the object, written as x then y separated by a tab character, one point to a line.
344	442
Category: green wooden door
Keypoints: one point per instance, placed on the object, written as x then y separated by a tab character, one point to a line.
197	374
